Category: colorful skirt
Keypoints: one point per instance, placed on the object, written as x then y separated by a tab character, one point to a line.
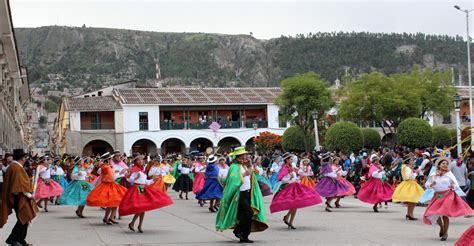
375	191
212	190
294	195
141	198
447	204
408	191
467	238
107	195
60	180
76	193
183	183
160	185
429	193
350	191
48	189
264	185
308	181
330	187
198	182
169	179
273	179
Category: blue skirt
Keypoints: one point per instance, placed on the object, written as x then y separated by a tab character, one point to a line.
76	193
60	180
212	189
273	179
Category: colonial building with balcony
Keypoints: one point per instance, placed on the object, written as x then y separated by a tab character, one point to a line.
169	120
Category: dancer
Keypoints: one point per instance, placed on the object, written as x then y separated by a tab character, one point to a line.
274	170
155	172
292	194
107	194
341	177
183	184
77	191
141	197
120	169
223	170
329	186
242	206
376	190
212	189
409	190
46	187
306	174
58	175
445	202
199	168
263	182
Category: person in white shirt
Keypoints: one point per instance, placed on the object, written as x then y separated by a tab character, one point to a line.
184	184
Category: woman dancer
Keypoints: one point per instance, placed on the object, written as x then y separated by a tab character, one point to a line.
263	182
341	174
445	202
274	170
212	189
78	189
155	172
376	190
199	169
140	197
223	170
409	190
292	195
183	184
329	186
58	175
306	174
107	194
46	187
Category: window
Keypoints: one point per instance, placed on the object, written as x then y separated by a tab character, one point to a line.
447	119
99	93
281	122
143	121
95	121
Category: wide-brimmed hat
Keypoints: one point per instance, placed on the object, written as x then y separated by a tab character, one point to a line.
18	153
305	159
426	154
440	159
211	159
373	158
116	152
287	155
135	157
105	156
179	157
239	151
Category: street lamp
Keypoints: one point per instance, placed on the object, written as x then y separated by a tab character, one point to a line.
316	135
468	41
457	107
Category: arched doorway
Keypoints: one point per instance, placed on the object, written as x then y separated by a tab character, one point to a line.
227	144
144	147
250	145
200	144
173	145
96	147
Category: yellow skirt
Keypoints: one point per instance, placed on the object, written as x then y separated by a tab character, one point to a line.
169	179
407	191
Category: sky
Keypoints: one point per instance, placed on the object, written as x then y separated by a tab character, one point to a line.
265	19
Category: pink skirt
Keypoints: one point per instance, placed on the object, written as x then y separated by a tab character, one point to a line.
43	190
350	191
294	195
375	191
448	204
198	183
467	238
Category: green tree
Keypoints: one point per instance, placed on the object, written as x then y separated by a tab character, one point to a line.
371	138
291	140
55	99
50	106
414	132
344	136
440	136
302	95
43	119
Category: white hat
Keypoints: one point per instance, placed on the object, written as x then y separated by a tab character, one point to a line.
364	154
427	154
211	159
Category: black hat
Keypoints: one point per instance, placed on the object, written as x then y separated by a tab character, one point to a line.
18	154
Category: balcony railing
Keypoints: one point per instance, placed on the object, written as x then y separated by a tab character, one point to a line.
168	125
98	126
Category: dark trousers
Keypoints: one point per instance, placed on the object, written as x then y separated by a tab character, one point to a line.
19	230
244	215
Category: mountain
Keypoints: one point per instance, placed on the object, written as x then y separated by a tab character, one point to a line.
84	57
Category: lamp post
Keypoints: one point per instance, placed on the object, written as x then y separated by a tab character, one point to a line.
468	42
316	134
457	106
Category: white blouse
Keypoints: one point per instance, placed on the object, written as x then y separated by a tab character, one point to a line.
80	175
183	169
305	171
442	183
246	179
45	173
155	171
223	172
287	179
139	178
57	171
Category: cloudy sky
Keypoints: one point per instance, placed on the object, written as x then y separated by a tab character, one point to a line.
265	19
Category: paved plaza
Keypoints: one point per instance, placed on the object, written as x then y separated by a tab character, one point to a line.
185	223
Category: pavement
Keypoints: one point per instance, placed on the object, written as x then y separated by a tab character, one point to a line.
185	223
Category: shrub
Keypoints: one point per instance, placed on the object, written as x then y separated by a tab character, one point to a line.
293	139
415	133
344	136
440	136
371	138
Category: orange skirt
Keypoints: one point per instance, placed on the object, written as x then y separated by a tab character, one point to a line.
159	185
307	181
108	195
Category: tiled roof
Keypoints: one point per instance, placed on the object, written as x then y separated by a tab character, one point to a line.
103	103
193	96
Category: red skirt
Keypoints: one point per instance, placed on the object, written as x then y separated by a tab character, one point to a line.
375	191
448	204
294	195
198	183
107	195
140	199
467	238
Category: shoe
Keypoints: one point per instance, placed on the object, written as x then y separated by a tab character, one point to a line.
201	204
444	237
79	215
291	227
212	210
328	205
239	236
375	209
113	221
328	210
246	240
337	205
46	210
187	198
180	196
39	205
140	230
285	221
106	222
216	207
130	227
408	217
386	206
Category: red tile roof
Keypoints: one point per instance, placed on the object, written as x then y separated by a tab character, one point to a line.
102	103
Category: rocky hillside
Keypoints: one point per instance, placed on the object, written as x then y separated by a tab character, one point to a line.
82	57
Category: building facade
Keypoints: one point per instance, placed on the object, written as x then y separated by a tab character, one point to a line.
167	120
14	89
